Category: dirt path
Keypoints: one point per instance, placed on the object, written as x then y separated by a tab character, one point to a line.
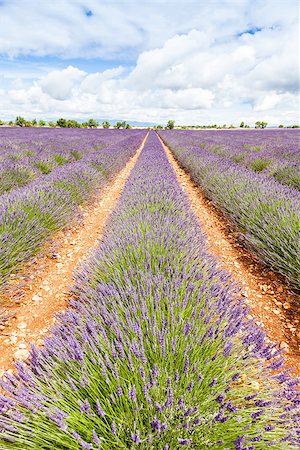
51	275
274	306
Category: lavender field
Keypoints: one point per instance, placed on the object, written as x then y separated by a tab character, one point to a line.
253	177
48	173
156	350
274	153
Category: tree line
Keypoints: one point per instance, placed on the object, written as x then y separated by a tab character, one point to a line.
63	123
92	123
258	124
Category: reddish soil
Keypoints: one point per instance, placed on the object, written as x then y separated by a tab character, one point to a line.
42	289
275	307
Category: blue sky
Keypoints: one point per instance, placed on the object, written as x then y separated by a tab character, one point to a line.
194	62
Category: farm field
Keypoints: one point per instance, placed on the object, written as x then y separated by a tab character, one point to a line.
173	260
264	210
274	153
48	199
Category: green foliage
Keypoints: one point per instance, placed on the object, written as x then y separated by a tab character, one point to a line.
170	124
238	158
93	123
44	167
259	164
288	175
15	177
52	124
60	160
73	124
20	121
76	155
42	123
29	153
123	124
63	123
259	124
242	124
105	124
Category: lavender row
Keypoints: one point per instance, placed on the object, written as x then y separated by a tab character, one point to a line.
265	212
29	154
275	153
29	215
156	353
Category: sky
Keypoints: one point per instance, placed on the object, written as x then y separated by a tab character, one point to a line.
195	62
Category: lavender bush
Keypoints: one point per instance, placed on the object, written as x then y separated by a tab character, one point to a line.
266	213
29	215
156	352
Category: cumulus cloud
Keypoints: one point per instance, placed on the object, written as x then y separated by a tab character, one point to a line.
58	84
194	63
93	82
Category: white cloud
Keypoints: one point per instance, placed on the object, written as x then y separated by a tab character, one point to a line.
194	63
58	84
92	83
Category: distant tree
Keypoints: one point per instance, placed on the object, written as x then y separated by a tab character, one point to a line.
170	124
105	124
11	123
231	126
122	124
158	127
85	125
73	124
52	124
34	123
42	123
259	124
93	123
63	123
242	124
20	121
2	123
